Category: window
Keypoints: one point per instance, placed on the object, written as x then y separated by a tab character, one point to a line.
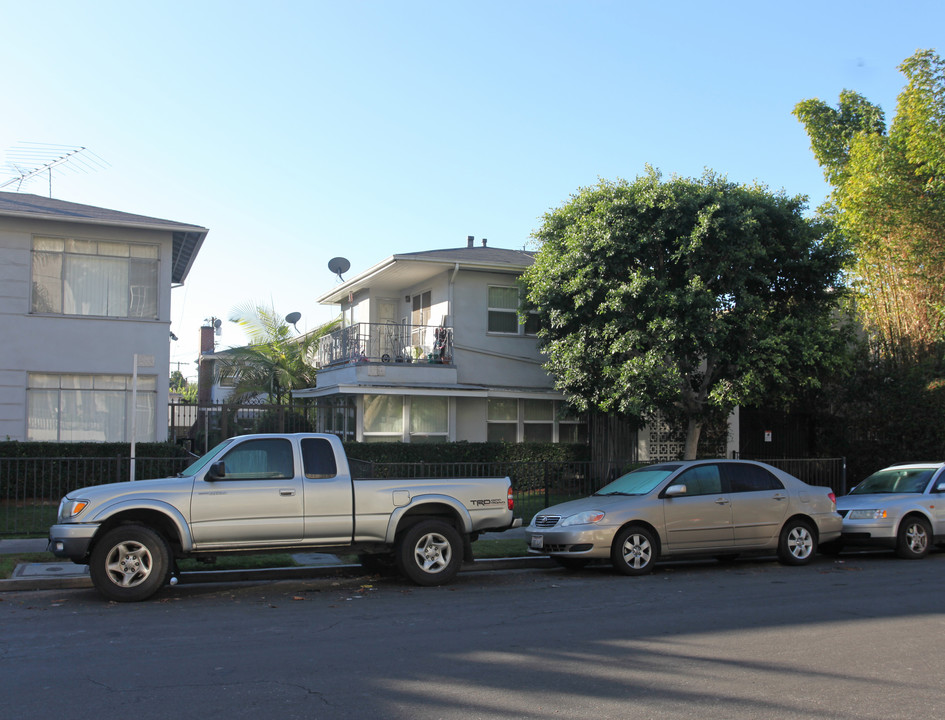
571	428
503	312
538	417
269	459
502	417
318	459
751	478
426	418
383	418
429	418
530	420
83	408
94	277
701	480
420	317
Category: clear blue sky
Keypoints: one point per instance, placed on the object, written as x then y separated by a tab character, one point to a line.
299	131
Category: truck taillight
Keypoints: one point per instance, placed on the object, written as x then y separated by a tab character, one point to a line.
511	501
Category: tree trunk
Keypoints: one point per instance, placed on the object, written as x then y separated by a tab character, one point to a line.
693	431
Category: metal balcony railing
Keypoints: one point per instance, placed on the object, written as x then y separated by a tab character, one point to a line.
386	342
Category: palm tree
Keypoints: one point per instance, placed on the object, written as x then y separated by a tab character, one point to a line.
274	362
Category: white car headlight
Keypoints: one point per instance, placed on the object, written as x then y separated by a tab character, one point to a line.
585	518
867	515
69	508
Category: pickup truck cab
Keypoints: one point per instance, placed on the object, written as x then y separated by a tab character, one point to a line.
274	493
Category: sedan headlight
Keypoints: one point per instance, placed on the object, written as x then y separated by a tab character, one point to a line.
69	508
867	515
585	518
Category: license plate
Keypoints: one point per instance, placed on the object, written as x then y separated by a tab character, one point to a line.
537	542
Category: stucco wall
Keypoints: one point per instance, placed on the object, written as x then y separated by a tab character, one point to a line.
73	344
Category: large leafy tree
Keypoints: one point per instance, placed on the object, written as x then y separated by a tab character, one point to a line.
275	361
889	199
683	297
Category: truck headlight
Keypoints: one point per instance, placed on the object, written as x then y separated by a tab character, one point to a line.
585	518
867	515
69	508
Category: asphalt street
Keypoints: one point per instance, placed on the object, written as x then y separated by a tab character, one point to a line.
858	637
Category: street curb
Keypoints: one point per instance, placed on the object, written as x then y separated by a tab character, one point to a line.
290	573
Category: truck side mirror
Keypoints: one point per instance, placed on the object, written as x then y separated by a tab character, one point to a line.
217	471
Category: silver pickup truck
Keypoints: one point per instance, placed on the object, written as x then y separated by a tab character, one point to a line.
274	493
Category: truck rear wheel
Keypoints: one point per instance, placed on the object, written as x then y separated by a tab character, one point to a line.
130	563
430	553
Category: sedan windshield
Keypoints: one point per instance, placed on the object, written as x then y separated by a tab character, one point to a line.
638	482
893	480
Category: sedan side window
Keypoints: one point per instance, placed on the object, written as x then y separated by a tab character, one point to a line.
700	480
269	459
751	478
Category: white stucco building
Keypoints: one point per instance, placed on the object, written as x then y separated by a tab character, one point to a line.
83	290
431	349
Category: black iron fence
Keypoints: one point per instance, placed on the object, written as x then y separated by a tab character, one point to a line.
823	472
30	488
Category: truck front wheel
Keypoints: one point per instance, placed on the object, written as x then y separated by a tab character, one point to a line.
130	563
430	553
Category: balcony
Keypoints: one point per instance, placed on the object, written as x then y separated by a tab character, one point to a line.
386	343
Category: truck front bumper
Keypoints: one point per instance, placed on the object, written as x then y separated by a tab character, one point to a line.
71	541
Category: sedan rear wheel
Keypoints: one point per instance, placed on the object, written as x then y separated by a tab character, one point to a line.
914	539
797	543
634	551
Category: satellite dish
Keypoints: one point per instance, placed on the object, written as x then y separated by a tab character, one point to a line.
292	318
338	266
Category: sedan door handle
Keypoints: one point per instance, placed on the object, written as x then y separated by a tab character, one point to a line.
780	497
722	501
287	492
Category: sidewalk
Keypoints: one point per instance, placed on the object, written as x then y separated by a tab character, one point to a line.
60	574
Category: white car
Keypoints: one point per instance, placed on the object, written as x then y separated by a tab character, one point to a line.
900	507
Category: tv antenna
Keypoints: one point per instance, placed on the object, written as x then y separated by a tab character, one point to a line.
338	266
29	161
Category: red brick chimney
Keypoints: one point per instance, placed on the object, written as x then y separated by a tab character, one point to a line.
205	365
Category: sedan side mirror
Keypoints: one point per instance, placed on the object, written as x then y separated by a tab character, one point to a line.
217	471
675	490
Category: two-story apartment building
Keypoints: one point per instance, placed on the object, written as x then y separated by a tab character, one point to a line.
85	304
431	349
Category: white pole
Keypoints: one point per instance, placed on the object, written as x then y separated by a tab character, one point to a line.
134	413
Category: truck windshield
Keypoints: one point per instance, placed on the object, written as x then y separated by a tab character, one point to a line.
200	462
639	482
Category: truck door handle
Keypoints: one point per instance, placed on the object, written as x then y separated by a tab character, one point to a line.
287	492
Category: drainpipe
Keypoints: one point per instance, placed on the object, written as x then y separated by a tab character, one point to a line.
449	298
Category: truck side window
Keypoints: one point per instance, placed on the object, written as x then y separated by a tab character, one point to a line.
318	459
269	459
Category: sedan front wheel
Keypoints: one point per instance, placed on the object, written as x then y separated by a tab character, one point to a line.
914	539
634	551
